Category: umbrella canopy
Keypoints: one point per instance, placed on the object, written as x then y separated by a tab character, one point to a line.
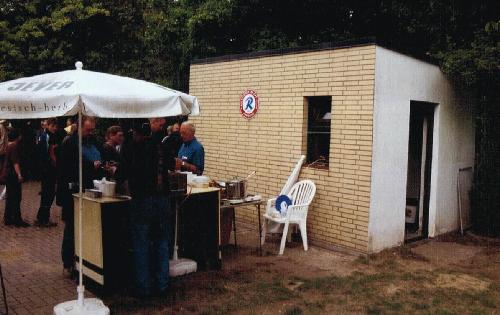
94	93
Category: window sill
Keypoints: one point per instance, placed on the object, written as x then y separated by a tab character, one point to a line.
316	166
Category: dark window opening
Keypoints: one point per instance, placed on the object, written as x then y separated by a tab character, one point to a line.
319	117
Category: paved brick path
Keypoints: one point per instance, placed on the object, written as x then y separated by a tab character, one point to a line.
31	260
32	267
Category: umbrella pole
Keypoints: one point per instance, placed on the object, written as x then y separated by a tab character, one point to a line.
81	288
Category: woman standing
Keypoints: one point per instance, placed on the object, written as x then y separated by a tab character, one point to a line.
14	178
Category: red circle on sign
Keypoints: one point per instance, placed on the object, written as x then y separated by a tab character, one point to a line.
249	104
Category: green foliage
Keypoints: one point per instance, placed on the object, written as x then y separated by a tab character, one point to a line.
476	61
157	39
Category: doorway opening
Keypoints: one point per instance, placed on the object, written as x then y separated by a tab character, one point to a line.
418	184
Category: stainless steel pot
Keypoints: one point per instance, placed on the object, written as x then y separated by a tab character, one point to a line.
236	189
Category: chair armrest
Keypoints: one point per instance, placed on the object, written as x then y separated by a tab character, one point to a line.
297	211
271	203
299	206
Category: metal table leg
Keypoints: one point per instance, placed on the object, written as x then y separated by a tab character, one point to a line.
234	229
260	229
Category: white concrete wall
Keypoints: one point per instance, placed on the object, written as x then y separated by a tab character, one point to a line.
398	80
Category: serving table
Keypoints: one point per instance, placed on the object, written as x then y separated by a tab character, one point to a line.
257	204
107	254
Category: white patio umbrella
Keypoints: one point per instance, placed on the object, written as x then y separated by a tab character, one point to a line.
91	93
96	94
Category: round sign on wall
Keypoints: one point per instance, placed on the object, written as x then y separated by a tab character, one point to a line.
249	104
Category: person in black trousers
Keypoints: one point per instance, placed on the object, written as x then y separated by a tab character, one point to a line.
14	178
47	148
68	179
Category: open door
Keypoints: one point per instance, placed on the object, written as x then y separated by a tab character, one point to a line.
419	170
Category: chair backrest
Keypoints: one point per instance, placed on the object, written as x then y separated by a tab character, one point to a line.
303	192
293	176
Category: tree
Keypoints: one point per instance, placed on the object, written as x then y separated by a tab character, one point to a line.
157	39
476	66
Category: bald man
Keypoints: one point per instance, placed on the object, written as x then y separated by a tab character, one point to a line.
191	155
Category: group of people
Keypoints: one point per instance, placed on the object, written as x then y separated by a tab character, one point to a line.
139	164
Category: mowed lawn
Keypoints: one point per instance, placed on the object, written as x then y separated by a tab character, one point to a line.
454	275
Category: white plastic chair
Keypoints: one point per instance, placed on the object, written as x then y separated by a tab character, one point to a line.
271	203
302	194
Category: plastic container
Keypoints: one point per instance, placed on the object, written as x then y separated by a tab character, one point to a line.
97	184
200	181
108	188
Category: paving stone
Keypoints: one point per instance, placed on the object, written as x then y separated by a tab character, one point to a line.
31	260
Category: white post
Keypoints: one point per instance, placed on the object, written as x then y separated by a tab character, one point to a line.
81	306
81	289
425	131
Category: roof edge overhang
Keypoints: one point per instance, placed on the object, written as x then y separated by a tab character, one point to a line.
286	51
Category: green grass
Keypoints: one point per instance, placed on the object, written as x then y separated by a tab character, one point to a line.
385	288
414	293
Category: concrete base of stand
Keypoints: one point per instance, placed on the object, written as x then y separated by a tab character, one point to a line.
182	266
91	306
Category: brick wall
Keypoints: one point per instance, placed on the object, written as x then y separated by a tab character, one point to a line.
272	142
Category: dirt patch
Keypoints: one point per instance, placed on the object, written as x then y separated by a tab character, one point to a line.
447	253
294	262
461	282
469	238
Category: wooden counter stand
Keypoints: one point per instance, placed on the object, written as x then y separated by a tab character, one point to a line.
106	261
107	254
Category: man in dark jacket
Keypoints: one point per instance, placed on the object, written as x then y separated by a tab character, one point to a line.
110	149
143	166
47	144
68	168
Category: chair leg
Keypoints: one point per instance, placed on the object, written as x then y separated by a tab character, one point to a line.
283	238
264	232
303	234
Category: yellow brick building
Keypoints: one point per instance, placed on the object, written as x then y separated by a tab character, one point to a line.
272	141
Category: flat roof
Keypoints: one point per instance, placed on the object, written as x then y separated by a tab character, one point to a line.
286	51
365	41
